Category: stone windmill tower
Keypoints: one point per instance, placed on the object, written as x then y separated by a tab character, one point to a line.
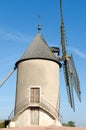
38	82
37	87
37	91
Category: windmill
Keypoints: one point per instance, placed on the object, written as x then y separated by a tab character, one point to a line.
70	73
36	83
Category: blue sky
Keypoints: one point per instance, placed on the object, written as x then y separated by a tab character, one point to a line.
18	26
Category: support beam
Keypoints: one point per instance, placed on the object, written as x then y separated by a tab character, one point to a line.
7	77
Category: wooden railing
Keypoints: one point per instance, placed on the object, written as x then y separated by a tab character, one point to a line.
26	103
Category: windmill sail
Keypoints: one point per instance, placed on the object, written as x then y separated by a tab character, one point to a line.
63	39
7	77
74	78
69	84
70	73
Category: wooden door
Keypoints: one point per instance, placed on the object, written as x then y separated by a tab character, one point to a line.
35	95
35	98
34	116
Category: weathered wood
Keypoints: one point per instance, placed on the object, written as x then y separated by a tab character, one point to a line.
35	95
34	116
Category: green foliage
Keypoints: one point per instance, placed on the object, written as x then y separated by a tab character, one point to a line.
2	124
70	123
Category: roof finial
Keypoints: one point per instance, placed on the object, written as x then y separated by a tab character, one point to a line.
39	25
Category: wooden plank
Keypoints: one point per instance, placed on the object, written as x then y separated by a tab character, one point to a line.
34	116
35	95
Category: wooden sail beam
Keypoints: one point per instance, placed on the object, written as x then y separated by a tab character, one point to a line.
7	77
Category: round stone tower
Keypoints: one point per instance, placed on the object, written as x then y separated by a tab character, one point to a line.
37	90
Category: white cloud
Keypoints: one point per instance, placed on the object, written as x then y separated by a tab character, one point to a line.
14	36
78	52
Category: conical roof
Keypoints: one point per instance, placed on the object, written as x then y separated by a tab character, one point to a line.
38	49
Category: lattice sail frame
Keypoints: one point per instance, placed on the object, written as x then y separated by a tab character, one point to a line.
70	73
72	80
